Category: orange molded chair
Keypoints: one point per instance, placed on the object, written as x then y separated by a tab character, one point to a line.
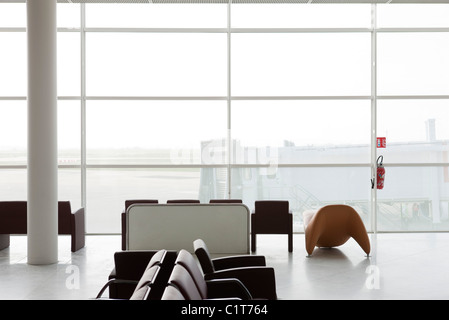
332	226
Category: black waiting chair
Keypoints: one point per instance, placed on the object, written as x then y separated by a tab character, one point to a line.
225	201
271	217
183	201
188	279
129	268
249	269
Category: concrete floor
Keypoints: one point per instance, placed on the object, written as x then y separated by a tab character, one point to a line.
400	266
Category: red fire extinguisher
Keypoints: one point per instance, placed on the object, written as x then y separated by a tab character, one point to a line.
380	173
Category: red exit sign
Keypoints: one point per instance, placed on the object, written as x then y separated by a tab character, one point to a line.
381	142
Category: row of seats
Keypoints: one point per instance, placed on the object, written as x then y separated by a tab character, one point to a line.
268	217
171	275
14	217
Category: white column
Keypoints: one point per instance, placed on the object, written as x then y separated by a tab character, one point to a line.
42	133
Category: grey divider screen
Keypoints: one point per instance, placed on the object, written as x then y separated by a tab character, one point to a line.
224	227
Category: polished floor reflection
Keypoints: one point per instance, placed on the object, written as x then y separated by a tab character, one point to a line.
400	266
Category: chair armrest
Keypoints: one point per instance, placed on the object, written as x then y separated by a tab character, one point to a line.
260	281
79	217
123	226
114	281
78	230
79	211
113	274
227	288
224	299
238	261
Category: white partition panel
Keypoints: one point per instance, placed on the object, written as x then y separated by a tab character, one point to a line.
224	227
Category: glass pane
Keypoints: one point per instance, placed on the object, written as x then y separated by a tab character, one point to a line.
305	188
13	66
69	64
413	63
69	187
69	15
190	15
13	15
13	184
280	15
155	132
301	131
157	64
414	199
69	132
301	64
415	130
107	190
412	15
13	132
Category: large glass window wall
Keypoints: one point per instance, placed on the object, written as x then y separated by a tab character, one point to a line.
246	100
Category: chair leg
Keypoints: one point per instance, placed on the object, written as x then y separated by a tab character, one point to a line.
77	230
290	242
253	242
4	241
78	242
